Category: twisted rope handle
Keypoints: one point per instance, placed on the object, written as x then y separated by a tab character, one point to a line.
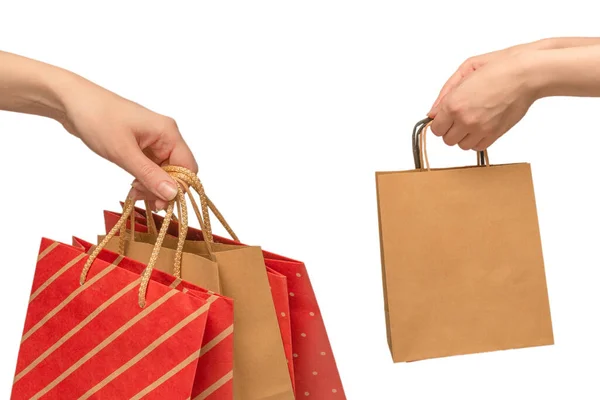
151	224
146	274
121	226
188	179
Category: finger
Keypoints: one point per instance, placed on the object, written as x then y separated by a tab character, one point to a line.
484	143
452	82
148	173
181	155
435	110
455	135
142	193
441	124
469	141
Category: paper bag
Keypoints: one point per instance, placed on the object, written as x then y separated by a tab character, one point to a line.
260	365
314	367
214	373
95	330
462	261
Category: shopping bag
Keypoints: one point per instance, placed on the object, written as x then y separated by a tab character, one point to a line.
260	367
277	282
462	261
214	374
94	330
315	369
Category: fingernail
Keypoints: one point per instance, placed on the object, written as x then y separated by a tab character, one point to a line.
167	190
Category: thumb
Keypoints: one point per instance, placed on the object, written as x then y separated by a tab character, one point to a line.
150	175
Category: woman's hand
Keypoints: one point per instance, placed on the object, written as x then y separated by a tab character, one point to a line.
129	135
473	64
492	92
485	105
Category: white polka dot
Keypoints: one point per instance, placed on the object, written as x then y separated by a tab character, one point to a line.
312	314
303	334
306	394
322	353
295	355
292	294
283	314
333	390
315	373
298	275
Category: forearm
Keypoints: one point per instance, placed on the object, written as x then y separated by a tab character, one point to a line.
566	42
564	72
32	87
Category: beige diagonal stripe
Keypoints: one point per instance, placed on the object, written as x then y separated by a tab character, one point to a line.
47	250
215	386
76	329
175	283
163	338
218	339
58	273
167	376
66	301
207	347
105	343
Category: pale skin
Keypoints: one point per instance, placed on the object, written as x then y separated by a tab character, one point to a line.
123	132
491	93
484	99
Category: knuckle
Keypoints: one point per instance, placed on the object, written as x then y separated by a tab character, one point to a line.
146	172
469	120
171	123
454	108
467	63
168	125
447	140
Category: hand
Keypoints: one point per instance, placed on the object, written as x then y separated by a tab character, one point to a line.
472	64
485	105
129	135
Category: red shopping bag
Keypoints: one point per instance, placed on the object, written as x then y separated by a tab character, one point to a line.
213	380
315	369
93	340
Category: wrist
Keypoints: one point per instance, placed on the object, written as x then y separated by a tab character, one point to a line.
531	70
57	85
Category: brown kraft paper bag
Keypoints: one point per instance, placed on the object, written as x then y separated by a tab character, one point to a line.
260	365
462	262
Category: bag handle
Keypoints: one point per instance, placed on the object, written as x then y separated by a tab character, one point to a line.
419	145
147	273
205	202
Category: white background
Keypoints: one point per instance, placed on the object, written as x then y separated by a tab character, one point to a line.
290	108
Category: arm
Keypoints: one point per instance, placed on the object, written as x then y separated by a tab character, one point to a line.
564	72
496	97
123	132
31	87
472	64
566	42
